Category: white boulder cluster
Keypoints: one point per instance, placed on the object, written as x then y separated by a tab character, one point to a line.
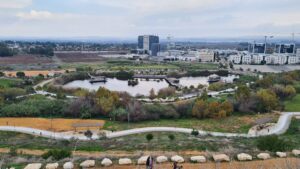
161	159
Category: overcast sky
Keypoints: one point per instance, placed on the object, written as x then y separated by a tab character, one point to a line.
129	18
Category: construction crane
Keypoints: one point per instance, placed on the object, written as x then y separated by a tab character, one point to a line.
266	37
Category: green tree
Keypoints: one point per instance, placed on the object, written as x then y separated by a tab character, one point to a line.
117	113
106	100
267	100
171	137
20	74
227	107
1	74
149	137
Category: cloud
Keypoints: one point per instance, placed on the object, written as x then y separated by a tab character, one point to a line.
35	15
15	4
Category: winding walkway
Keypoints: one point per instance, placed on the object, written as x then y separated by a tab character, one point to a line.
280	128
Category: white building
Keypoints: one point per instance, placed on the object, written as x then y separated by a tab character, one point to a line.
247	59
278	59
235	59
257	59
206	55
293	60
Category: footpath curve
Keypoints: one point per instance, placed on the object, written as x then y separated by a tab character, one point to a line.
281	127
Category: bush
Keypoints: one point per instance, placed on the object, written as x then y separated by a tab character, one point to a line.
272	143
171	137
57	154
195	132
149	137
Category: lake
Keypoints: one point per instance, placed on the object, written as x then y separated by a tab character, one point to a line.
143	87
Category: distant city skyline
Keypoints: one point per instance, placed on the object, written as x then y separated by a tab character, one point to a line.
130	18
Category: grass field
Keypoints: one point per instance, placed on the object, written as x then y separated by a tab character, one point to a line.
293	105
6	83
234	123
58	125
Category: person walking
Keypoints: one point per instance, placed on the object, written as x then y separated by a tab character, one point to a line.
149	163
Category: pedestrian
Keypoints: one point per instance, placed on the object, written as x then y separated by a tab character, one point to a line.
175	165
149	163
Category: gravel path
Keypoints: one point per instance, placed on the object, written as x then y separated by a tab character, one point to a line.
280	128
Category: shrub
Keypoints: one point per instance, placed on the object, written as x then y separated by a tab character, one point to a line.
195	132
57	154
149	137
272	143
13	151
171	137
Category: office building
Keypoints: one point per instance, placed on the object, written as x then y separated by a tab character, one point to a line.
285	48
258	48
149	43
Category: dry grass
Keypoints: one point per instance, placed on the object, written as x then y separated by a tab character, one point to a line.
58	125
25	59
32	73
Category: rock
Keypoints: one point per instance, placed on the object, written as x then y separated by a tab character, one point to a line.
177	159
68	165
281	154
296	152
87	164
142	160
198	159
221	158
263	156
52	166
34	166
106	162
161	159
244	157
125	161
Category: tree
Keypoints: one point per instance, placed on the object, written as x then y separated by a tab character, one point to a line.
227	107
213	109
199	109
88	134
117	113
152	94
20	74
166	92
1	74
195	132
149	137
106	100
268	100
171	137
242	94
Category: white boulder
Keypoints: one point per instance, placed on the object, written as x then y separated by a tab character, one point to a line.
244	157
161	159
198	159
221	158
34	166
177	159
125	161
68	165
87	164
106	162
52	166
296	152
142	160
264	156
281	154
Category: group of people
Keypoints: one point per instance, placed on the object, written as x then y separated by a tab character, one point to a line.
150	162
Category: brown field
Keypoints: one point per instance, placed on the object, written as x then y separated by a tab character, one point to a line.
79	57
25	59
32	73
58	125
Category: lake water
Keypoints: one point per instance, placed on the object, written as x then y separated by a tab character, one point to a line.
143	87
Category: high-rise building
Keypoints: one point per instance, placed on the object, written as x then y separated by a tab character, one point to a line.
149	43
257	48
285	48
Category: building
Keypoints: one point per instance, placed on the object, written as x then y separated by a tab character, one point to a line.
206	56
293	60
257	48
285	48
149	43
246	59
276	59
235	59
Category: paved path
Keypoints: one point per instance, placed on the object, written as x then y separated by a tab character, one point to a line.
280	128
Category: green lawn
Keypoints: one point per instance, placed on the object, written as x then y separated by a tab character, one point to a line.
6	83
293	104
234	123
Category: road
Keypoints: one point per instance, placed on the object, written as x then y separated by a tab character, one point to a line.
280	128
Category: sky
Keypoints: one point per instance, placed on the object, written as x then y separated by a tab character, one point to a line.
129	18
